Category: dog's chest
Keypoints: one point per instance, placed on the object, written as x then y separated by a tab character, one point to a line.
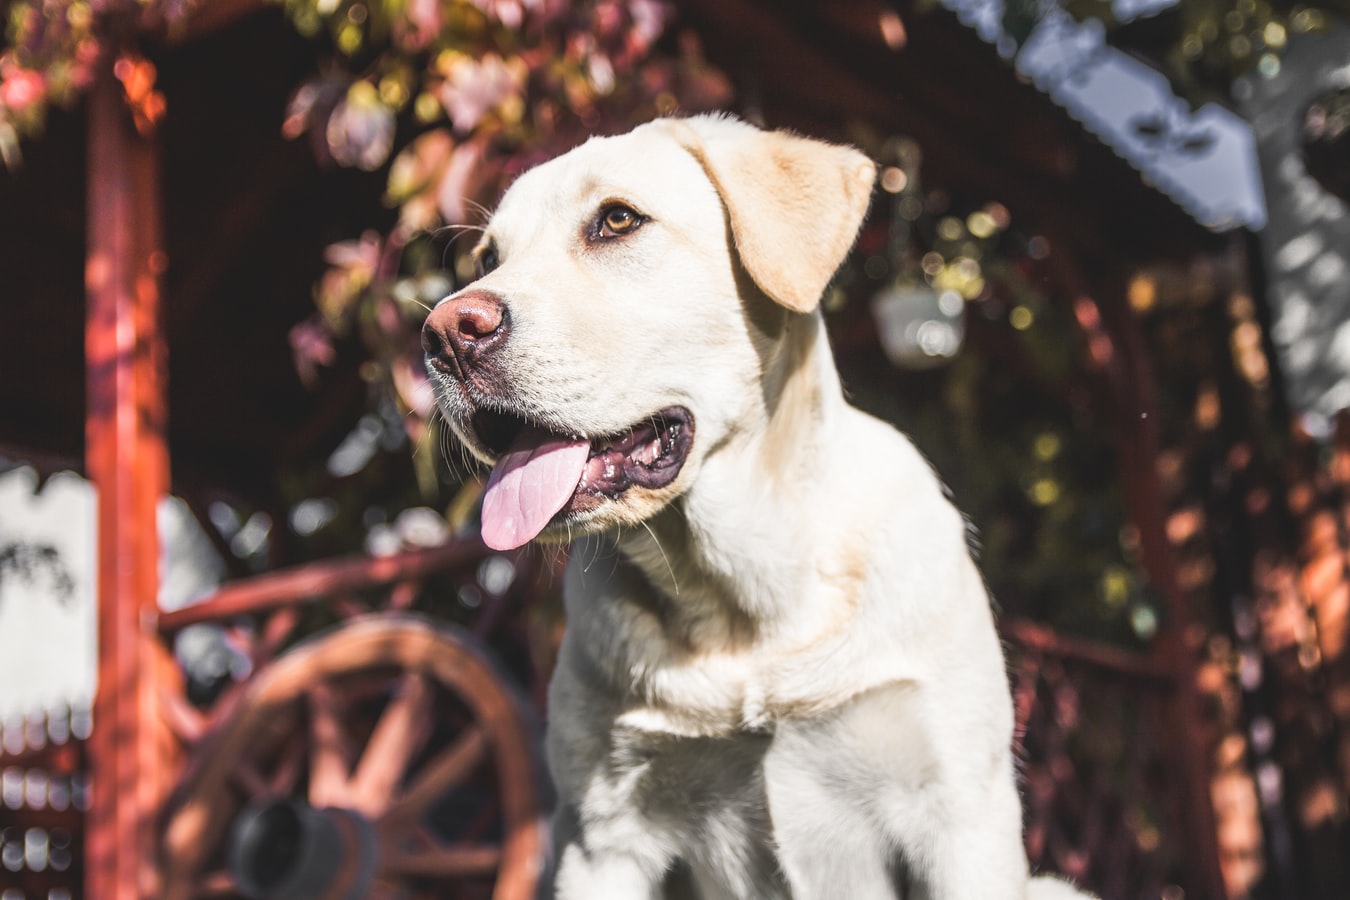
692	770
708	795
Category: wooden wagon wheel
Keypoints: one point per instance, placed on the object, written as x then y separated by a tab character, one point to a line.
384	759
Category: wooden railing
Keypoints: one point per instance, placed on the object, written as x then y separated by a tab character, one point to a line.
43	798
1101	778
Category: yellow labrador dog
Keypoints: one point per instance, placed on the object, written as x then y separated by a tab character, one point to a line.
780	677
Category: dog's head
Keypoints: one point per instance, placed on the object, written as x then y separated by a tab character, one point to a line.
619	331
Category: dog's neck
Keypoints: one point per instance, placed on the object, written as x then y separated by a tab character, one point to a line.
730	572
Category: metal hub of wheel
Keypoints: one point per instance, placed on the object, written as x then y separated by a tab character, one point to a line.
283	849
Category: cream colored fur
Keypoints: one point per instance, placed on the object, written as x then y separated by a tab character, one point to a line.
780	676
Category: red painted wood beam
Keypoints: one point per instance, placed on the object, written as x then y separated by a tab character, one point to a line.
312	581
127	461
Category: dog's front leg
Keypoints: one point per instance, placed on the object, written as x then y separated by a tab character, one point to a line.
826	844
603	847
881	800
598	867
969	847
583	875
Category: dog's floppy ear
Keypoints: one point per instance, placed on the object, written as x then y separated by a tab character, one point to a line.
795	204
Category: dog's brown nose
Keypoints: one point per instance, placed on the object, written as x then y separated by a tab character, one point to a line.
462	328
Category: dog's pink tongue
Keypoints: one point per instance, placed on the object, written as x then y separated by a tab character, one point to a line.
529	484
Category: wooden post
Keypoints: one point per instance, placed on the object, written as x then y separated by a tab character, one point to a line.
1115	349
127	461
1140	444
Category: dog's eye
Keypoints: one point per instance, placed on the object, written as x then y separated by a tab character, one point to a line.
487	260
618	220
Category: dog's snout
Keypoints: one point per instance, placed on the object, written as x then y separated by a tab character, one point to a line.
462	328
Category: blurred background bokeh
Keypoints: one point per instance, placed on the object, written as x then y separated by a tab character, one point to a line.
1103	286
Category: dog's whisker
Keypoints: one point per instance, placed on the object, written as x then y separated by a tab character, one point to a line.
458	228
417	444
662	550
552	554
478	208
457	231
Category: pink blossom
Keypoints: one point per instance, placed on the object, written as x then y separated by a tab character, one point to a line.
21	88
509	12
360	130
414	178
649	20
362	255
474	87
608	18
459	180
425	18
410	380
311	347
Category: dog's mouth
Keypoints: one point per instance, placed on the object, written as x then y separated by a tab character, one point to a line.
542	475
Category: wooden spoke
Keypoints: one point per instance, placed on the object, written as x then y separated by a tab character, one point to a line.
287	771
457	861
243	639
403	595
330	758
249	780
216	884
349	606
398	735
384	889
442	773
252	779
277	628
186	723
